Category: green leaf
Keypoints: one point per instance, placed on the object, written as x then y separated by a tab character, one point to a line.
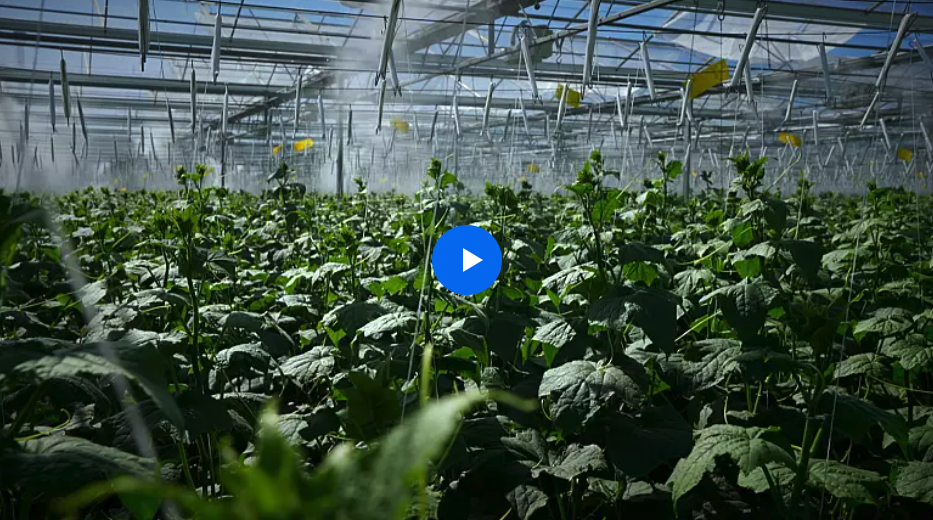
854	416
380	483
654	311
640	272
42	360
554	334
143	506
915	480
58	465
576	460
806	254
637	445
579	388
743	445
749	268
526	500
745	305
743	234
867	363
847	482
307	368
389	323
371	407
911	351
716	361
93	293
249	321
564	281
887	322
638	252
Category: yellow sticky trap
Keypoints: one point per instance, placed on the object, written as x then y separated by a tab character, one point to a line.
573	97
302	145
904	154
400	124
790	139
534	168
710	76
277	150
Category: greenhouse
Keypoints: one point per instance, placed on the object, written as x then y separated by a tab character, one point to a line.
466	259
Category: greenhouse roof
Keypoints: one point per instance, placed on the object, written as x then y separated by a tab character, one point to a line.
464	88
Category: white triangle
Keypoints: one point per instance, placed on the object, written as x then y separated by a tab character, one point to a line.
469	259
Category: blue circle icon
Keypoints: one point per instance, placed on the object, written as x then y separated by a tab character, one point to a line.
467	260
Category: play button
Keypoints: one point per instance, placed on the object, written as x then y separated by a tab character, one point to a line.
466	260
469	260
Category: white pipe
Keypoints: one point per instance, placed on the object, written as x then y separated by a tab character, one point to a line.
508	125
749	42
646	64
750	91
923	54
387	42
926	138
683	107
871	106
529	66
66	91
561	107
589	124
215	47
486	108
382	101
393	75
171	120
688	101
194	99
456	113
521	105
52	115
143	30
790	102
590	44
906	21
620	112
297	105
816	126
349	129
827	80
223	115
81	117
884	133
320	109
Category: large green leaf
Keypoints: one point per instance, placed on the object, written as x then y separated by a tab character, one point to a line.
55	466
853	416
307	368
41	360
745	305
911	351
842	481
745	446
637	445
654	311
579	388
915	480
